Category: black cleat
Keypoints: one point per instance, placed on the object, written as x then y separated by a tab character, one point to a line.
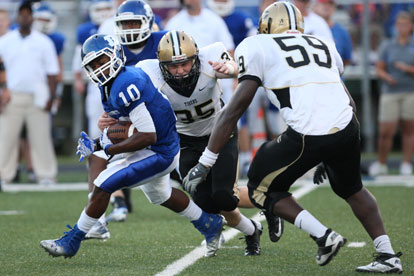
253	241
275	226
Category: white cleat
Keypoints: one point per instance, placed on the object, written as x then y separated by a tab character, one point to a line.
383	263
98	231
118	215
328	246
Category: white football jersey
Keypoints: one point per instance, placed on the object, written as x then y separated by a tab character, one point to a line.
301	75
195	114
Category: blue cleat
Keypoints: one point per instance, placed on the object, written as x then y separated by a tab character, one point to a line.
67	245
210	226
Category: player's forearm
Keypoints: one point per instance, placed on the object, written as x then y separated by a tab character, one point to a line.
136	142
52	82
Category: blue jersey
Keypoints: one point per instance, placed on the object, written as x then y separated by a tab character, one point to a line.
132	87
342	41
239	25
84	31
149	51
58	40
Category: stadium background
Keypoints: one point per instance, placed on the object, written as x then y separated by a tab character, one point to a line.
360	77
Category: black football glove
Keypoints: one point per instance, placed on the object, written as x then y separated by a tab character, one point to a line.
194	177
320	174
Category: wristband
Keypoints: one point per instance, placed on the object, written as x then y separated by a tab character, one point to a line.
231	68
208	158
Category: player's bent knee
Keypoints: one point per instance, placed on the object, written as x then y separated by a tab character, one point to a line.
225	201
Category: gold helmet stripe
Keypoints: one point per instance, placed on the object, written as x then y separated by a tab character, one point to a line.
176	43
292	16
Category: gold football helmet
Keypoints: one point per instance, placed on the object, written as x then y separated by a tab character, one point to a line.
281	17
178	47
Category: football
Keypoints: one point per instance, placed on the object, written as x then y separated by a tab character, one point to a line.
120	131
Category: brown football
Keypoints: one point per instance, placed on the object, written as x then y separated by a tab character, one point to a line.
120	131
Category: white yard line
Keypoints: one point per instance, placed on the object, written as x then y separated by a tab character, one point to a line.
198	253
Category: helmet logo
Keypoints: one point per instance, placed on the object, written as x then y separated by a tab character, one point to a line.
148	10
281	22
178	58
110	40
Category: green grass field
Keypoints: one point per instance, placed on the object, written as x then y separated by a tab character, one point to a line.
154	237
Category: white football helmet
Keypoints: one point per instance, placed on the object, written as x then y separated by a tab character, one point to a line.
45	19
100	10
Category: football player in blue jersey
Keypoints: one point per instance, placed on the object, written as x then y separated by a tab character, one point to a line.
144	159
134	22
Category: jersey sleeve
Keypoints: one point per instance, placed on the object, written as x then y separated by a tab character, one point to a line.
141	118
249	58
382	51
217	52
152	69
50	58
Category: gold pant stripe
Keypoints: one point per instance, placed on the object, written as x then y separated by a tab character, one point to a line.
259	193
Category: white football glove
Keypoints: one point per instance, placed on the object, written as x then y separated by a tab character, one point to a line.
86	146
194	177
104	141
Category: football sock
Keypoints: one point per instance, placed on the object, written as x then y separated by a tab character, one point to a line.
86	222
308	223
245	226
191	212
383	245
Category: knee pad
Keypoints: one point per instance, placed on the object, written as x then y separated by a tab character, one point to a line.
225	201
206	204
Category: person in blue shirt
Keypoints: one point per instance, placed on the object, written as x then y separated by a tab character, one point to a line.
134	21
144	159
343	43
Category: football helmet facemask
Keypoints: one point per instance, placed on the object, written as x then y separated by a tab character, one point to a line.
100	10
45	19
178	47
97	46
134	10
281	17
221	8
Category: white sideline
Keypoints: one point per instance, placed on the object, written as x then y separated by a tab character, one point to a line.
198	253
385	180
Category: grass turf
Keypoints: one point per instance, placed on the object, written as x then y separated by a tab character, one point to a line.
154	237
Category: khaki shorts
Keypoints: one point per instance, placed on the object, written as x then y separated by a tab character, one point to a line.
394	107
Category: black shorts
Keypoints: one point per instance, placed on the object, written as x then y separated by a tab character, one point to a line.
222	177
279	163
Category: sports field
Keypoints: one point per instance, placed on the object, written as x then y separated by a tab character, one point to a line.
154	241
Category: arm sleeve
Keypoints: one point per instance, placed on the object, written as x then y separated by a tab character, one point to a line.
249	58
141	118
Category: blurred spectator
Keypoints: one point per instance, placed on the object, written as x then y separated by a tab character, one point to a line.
395	68
31	68
202	24
314	24
4	22
343	43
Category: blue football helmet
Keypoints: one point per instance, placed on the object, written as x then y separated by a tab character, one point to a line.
45	19
97	46
100	10
137	10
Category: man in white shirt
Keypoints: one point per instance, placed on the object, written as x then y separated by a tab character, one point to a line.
30	66
314	24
